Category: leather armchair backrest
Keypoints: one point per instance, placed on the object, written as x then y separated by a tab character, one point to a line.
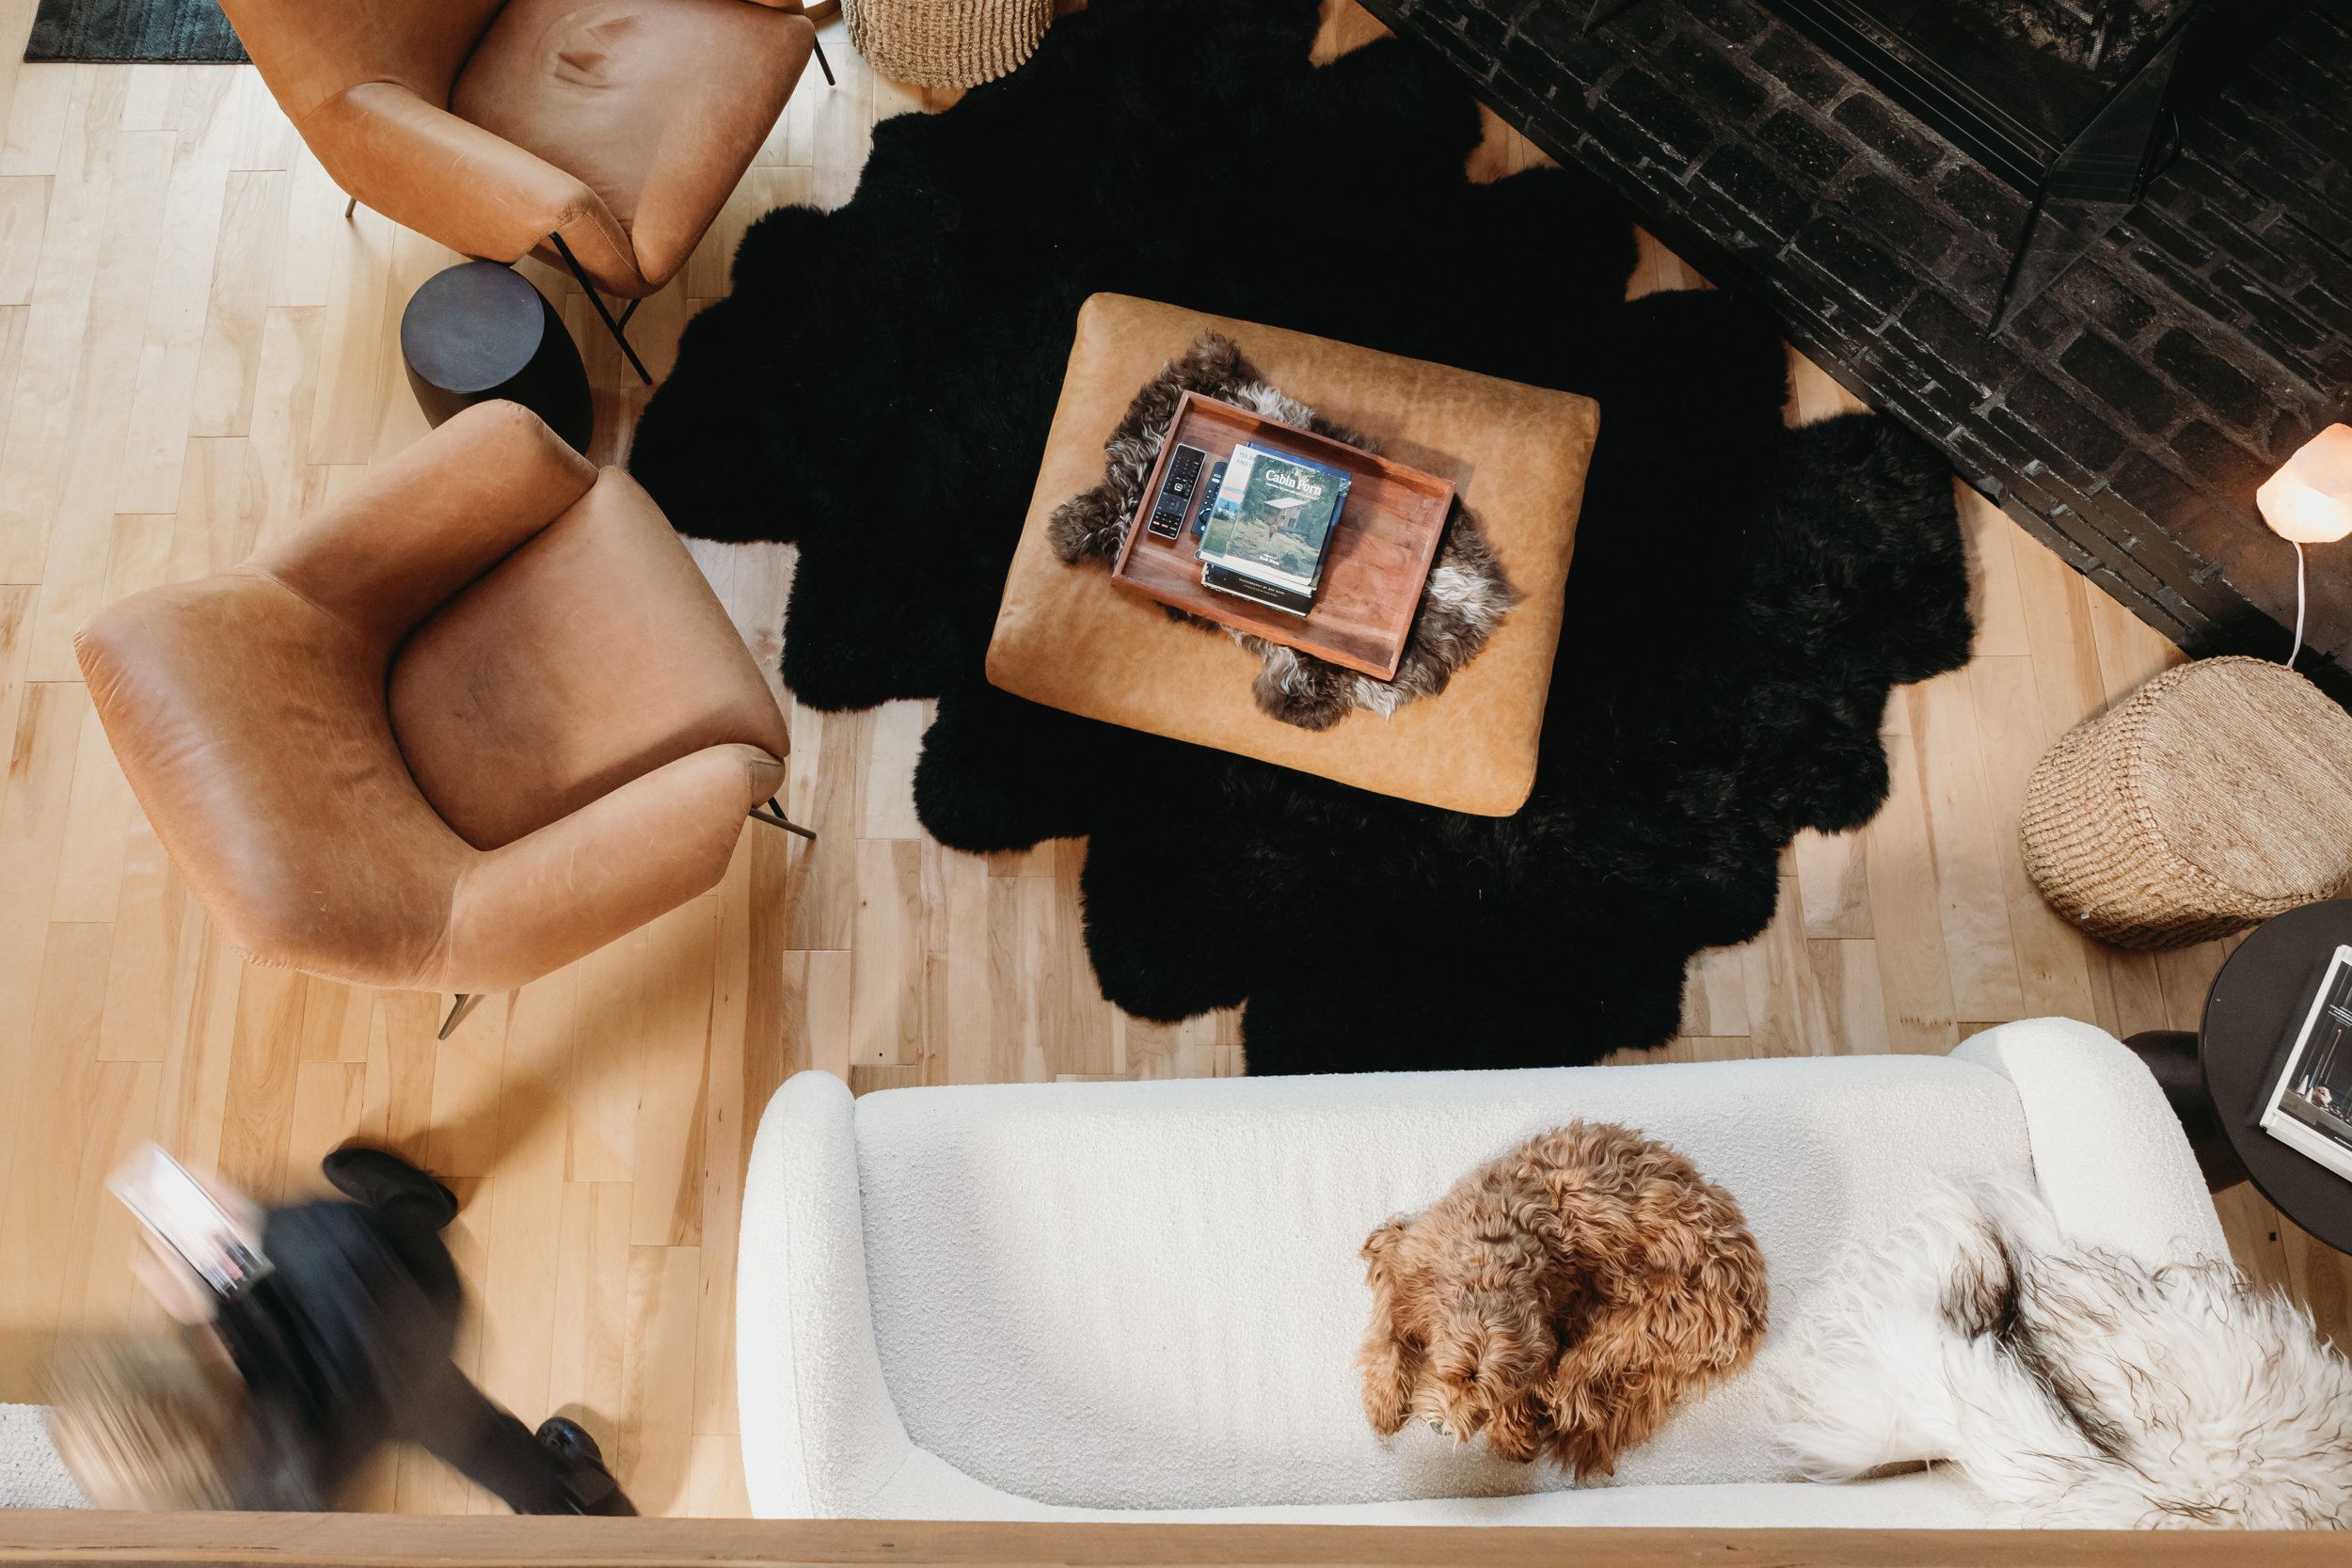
311	50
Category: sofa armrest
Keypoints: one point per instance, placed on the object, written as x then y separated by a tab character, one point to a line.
820	1435
2109	1156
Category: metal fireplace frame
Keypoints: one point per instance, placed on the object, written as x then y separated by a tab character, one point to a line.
2079	189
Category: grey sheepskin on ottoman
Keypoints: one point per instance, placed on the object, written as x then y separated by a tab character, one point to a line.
1466	597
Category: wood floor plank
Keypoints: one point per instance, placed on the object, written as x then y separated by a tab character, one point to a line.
208	989
1968	847
1787	1015
1715	994
585	1372
527	1215
2053	962
229	354
89	467
1993	598
658	1377
1906	910
179	286
351	381
39	108
821	890
100	1292
729	1087
894	743
469	1079
46	1154
887	955
316	229
32	842
608	1060
1834	880
1853	998
23	215
98	816
285	396
815	1012
41	416
665	1167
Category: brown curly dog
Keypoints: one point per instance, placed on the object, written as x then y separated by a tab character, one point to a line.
1561	1299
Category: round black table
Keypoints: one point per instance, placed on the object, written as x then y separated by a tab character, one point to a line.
478	331
2218	1078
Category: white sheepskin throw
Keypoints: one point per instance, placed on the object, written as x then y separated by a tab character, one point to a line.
2075	1387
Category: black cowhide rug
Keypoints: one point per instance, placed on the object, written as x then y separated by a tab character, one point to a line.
878	385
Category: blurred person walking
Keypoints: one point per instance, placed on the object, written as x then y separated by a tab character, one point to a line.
342	1345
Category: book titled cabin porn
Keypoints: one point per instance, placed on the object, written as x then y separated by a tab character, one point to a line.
1270	527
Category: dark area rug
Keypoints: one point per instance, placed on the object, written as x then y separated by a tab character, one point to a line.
1743	599
126	31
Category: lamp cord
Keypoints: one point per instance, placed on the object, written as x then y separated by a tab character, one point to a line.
2299	605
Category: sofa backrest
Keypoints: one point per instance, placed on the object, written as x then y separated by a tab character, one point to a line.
1149	1295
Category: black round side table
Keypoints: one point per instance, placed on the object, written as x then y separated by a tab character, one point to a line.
478	331
2218	1078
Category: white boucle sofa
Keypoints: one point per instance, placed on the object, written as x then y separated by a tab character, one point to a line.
1143	1300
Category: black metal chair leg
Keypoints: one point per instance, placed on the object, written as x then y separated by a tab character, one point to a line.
350	207
464	1004
826	66
603	314
773	815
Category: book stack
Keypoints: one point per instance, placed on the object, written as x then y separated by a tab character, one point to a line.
1267	527
1240	523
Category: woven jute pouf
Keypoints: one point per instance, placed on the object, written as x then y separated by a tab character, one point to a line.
945	43
2215	797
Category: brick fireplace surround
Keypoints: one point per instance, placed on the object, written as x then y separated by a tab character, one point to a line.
2127	417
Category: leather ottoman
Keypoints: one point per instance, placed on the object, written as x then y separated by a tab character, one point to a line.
1069	638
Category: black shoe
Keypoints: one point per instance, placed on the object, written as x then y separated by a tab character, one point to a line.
378	1178
592	1486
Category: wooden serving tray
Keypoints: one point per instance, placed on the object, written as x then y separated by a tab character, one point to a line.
1379	557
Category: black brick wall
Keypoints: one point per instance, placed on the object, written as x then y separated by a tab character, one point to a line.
2127	417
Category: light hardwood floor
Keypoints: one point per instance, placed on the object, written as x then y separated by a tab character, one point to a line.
196	348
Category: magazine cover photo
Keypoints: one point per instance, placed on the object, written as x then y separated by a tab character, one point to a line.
2311	1107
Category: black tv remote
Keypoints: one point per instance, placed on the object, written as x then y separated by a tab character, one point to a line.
1208	500
1173	508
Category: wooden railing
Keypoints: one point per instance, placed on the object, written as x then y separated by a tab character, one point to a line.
296	1540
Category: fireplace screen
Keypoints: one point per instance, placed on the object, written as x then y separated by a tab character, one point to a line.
2074	103
2067	100
2052	64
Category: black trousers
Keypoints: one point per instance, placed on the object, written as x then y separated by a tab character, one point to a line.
346	1344
443	1412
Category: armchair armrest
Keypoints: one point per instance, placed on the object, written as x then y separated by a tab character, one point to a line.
452	181
536	904
430	522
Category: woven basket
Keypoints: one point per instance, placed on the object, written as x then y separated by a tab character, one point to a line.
945	43
2215	797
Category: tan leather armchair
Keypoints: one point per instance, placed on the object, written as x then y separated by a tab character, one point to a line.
603	135
477	720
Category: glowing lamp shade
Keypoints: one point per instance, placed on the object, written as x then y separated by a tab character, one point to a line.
2309	501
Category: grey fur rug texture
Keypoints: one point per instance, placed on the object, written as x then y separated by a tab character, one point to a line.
1466	597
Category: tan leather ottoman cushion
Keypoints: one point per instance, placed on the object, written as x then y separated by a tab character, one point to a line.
1067	637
